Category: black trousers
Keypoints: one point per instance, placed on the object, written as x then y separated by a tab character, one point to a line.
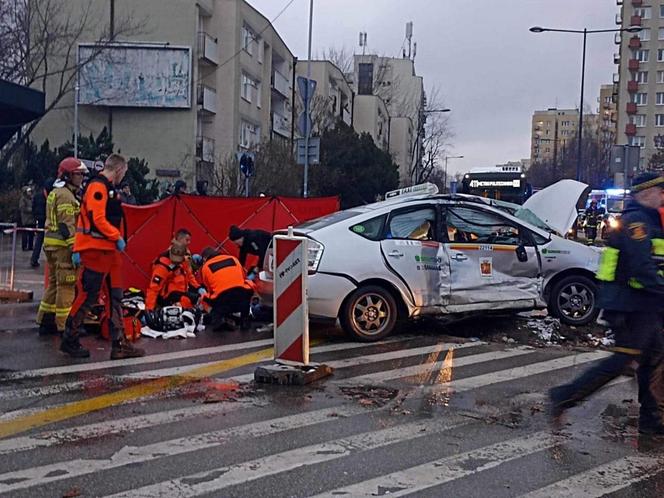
38	242
235	300
638	337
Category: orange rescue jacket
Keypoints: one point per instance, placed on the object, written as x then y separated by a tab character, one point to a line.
168	277
221	273
100	218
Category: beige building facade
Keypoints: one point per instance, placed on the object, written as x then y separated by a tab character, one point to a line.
640	76
240	84
551	131
333	99
395	82
370	115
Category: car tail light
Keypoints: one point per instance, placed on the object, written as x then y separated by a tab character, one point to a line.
315	250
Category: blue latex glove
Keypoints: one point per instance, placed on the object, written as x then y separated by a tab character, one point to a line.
197	259
120	244
251	276
201	291
76	259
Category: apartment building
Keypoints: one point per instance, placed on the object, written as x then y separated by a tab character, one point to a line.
640	76
552	130
333	100
395	83
199	81
370	115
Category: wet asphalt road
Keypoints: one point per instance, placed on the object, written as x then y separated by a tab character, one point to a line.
424	414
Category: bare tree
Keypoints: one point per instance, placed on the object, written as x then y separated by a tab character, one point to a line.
39	42
436	136
340	57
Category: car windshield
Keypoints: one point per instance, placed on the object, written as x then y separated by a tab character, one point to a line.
522	213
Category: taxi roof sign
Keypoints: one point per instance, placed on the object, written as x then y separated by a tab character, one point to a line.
422	188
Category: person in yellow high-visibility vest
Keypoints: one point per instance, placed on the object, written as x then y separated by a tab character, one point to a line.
62	208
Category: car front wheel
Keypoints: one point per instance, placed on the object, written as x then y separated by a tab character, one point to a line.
572	300
369	314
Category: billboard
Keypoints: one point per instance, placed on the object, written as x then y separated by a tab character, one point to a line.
131	75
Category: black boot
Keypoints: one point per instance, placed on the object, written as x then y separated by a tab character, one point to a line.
47	325
73	348
122	349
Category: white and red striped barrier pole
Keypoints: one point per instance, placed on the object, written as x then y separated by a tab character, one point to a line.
291	311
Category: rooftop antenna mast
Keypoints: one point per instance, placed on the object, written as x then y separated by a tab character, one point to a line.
409	36
363	41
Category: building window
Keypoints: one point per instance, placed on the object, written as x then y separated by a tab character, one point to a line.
643	55
660	76
608	100
248	39
642	76
640	98
659	119
660	55
261	50
660	98
365	79
248	134
637	140
643	12
661	11
660	34
249	86
638	119
644	34
565	123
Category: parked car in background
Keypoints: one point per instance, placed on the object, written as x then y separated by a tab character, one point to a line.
421	253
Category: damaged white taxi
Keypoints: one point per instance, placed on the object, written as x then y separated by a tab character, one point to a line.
422	253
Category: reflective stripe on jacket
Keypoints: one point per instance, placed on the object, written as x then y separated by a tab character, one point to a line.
221	273
168	277
62	208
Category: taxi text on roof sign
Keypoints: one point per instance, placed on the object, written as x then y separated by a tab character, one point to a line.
423	188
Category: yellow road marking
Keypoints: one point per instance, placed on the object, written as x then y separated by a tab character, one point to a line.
76	408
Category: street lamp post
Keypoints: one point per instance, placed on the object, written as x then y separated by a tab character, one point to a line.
446	158
585	32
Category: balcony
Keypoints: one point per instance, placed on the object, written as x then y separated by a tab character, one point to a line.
632	86
281	84
630	129
616	78
281	125
635	21
631	108
616	58
633	65
637	3
634	41
205	149
618	19
207	99
208	48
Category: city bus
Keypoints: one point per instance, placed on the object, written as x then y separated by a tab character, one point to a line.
506	183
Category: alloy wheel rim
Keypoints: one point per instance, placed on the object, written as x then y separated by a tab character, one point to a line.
576	301
370	314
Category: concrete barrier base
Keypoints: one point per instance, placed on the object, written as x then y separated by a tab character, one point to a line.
291	375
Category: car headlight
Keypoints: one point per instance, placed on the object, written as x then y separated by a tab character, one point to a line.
613	222
315	250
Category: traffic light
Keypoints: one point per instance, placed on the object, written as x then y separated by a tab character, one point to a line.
247	164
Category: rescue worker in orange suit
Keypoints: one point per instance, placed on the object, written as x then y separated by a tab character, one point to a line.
97	247
228	290
172	281
62	206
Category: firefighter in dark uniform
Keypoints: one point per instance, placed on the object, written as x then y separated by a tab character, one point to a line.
632	297
98	245
253	242
592	219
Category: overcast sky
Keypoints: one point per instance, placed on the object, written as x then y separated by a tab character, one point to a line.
490	70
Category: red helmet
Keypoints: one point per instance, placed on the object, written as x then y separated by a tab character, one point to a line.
69	165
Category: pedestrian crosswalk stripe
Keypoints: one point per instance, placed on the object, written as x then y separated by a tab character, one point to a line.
603	480
441	471
216	480
64	387
124	425
490	378
45	474
178	355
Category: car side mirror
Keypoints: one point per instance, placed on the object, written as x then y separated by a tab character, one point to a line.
521	253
